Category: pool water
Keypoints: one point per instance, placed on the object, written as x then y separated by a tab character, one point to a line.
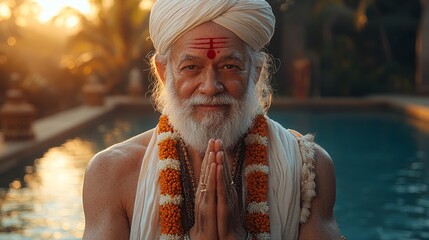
381	162
382	169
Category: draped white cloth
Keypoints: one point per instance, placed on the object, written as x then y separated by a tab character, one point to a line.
251	20
285	163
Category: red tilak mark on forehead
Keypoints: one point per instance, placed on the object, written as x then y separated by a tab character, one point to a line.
211	54
210	44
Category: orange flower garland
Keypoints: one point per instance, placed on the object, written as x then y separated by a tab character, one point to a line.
256	172
169	179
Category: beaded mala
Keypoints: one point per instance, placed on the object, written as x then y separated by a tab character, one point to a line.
178	185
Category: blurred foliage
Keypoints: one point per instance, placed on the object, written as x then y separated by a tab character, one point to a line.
52	71
29	56
364	46
361	47
112	45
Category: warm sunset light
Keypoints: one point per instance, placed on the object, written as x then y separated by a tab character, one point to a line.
11	41
50	9
146	4
4	11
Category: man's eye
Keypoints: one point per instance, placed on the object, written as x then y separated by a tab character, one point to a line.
230	67
190	67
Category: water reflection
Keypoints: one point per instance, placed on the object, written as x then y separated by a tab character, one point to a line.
118	133
46	203
406	214
389	203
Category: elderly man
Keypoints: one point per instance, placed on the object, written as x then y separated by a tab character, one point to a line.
215	166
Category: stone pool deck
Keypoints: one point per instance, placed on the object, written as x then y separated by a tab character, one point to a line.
50	130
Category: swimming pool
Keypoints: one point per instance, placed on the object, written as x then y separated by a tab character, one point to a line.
381	162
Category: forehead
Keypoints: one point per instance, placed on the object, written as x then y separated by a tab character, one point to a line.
210	40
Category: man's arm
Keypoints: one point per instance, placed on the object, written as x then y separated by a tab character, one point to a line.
104	216
109	188
321	224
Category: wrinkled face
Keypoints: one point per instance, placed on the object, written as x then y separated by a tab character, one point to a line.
210	60
210	89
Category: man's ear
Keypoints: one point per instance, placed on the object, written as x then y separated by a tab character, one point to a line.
160	70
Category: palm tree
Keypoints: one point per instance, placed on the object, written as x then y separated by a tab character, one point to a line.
111	45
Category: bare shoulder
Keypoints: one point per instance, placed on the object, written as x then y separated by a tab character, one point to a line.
118	161
109	187
321	223
121	156
324	166
325	180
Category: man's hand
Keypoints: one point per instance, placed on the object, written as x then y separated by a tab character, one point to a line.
217	211
229	219
205	226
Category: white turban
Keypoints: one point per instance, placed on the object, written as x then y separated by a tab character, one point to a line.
251	20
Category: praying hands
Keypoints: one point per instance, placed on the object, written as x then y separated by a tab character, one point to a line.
217	208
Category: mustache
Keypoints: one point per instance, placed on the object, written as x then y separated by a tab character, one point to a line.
213	100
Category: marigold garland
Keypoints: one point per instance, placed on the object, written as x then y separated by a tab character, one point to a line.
169	179
256	172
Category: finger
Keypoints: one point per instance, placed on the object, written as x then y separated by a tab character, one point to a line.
221	186
204	176
210	194
210	148
218	148
226	162
202	184
227	205
218	145
205	204
226	175
209	204
210	160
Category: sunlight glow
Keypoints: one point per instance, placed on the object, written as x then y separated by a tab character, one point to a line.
21	21
71	65
71	21
4	11
11	41
50	9
47	203
146	4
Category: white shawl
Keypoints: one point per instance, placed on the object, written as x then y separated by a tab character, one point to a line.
285	164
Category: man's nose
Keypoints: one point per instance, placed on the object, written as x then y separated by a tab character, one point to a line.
211	84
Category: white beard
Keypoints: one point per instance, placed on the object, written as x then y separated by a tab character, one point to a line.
229	126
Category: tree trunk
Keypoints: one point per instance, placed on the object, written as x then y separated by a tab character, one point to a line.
422	50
